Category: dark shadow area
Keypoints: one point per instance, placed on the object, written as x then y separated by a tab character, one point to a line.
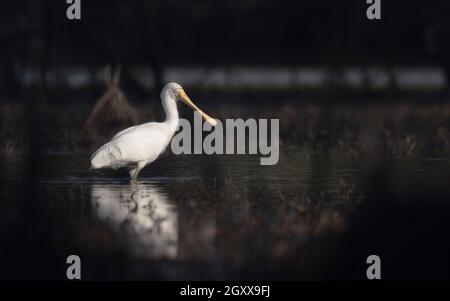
364	115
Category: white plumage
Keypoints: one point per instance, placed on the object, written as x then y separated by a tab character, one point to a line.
137	146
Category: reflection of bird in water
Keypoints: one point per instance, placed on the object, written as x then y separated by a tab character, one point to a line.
143	212
137	146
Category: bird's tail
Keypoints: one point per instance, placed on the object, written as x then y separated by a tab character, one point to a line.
109	155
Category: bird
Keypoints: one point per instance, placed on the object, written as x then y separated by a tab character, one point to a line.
135	147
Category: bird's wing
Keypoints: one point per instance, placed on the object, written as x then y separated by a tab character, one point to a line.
124	131
108	155
140	143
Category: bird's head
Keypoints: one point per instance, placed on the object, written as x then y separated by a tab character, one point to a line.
175	91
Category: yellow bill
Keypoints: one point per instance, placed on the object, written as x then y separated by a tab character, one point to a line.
189	102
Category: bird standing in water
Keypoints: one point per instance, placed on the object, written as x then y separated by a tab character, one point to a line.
137	146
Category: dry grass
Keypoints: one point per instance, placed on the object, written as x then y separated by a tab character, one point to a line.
112	104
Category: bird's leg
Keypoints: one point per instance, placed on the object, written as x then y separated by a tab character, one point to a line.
135	171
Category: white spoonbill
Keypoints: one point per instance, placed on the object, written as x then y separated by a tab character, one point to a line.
137	146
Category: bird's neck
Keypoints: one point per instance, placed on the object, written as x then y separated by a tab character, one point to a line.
170	107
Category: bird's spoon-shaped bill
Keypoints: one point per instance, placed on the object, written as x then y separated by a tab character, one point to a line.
189	102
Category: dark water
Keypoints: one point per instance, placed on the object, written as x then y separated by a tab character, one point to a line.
227	217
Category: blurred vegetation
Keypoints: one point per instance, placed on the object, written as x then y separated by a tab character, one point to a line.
375	131
156	34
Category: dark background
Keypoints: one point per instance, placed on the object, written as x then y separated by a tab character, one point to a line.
156	34
405	217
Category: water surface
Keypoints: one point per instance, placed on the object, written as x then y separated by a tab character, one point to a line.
207	217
